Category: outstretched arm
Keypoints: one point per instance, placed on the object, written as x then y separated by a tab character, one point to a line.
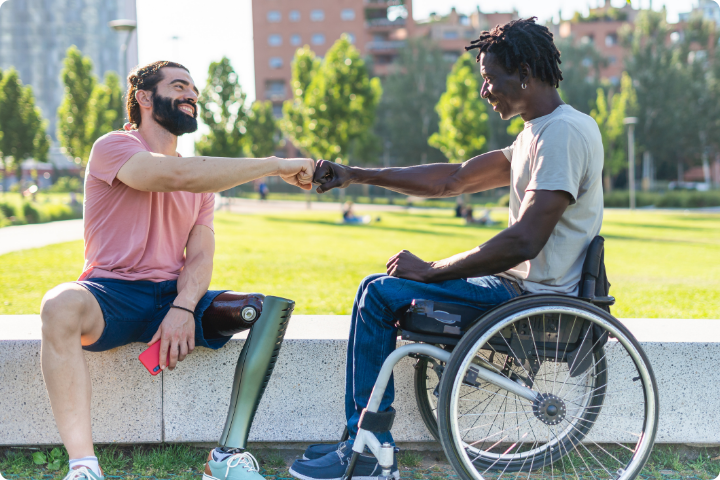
154	172
539	213
486	171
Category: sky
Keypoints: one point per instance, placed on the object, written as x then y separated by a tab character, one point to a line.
196	33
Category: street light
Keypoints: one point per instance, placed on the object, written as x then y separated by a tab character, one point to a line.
630	122
124	25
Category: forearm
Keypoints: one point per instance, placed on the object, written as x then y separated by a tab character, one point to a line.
499	254
432	180
194	279
211	174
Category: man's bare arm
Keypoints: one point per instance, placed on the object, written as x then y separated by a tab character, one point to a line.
539	213
177	330
154	172
486	171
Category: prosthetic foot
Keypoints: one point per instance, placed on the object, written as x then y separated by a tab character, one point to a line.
267	318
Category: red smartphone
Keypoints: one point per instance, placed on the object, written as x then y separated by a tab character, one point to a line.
151	358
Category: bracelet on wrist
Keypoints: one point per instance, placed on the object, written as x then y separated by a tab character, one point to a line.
172	305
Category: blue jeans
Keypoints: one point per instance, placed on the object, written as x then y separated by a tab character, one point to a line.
373	333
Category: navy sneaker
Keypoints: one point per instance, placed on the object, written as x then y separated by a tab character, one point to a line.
333	466
318	450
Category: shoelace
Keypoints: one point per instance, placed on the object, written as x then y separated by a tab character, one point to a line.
244	460
340	453
78	474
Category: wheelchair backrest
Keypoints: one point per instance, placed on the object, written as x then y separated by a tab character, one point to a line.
593	280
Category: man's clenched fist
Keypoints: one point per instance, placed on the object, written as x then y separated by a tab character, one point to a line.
297	171
329	175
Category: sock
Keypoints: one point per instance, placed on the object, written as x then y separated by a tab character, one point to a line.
89	462
219	454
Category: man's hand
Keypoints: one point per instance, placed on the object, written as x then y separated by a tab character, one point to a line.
409	266
329	175
177	336
297	171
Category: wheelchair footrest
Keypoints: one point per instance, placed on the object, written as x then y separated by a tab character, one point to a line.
377	422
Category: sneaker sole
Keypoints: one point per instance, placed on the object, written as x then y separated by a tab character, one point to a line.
209	477
395	475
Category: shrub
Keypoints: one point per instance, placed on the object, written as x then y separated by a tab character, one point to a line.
504	201
30	212
55	211
671	199
67	185
8	210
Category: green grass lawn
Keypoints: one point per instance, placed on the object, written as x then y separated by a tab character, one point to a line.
660	265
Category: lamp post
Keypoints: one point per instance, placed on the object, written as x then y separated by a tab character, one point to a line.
630	122
124	25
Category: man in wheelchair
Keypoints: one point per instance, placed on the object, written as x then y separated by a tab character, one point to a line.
553	170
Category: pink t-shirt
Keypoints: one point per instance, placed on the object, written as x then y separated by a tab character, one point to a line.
134	235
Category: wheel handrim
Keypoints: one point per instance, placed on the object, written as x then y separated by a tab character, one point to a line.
518	461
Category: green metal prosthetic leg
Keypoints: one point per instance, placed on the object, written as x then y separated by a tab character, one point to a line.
254	367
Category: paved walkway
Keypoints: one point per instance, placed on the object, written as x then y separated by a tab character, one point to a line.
22	237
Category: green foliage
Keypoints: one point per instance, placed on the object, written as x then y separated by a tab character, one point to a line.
677	93
74	111
516	126
262	134
304	67
22	128
66	185
608	15
581	65
106	111
609	113
463	119
222	109
671	199
18	211
406	114
336	110
54	459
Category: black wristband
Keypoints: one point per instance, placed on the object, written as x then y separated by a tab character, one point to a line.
172	305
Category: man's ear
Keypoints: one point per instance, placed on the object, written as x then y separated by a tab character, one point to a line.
525	73
144	98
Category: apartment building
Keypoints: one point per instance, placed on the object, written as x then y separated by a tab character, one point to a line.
376	27
601	28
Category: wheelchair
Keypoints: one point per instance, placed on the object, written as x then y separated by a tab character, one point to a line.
543	384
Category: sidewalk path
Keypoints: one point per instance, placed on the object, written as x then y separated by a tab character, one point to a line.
33	236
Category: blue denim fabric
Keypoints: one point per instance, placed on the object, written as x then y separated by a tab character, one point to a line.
133	311
380	298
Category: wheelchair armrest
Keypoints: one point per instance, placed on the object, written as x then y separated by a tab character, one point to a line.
603	301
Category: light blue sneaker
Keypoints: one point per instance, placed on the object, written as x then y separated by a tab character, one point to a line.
83	473
239	466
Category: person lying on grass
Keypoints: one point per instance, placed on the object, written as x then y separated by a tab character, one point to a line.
553	170
149	246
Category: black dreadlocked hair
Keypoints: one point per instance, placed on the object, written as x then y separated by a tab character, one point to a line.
522	41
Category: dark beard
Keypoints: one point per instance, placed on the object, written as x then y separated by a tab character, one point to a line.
167	113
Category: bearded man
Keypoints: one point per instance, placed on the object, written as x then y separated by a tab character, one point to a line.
149	246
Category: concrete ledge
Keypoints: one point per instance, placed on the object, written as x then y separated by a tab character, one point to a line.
304	399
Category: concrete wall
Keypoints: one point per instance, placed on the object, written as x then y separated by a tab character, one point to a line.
304	399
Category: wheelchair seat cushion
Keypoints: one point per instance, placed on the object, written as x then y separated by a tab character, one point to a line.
439	318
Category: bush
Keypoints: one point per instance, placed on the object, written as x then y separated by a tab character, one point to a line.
67	185
504	201
30	213
671	199
55	211
8	210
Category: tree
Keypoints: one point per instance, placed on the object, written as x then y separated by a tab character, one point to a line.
74	110
222	109
407	108
338	108
106	109
674	117
581	65
23	128
463	118
609	112
304	67
261	137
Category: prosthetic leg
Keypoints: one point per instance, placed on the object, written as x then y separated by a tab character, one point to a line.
267	318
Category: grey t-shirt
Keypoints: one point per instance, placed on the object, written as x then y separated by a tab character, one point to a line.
560	151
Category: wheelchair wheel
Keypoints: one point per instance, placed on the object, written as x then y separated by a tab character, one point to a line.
596	407
427	389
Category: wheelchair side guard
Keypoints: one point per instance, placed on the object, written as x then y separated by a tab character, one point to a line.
439	318
254	368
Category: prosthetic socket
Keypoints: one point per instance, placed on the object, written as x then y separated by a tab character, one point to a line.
267	319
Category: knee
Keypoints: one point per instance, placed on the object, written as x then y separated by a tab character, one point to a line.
368	280
61	311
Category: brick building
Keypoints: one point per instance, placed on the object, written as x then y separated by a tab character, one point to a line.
378	28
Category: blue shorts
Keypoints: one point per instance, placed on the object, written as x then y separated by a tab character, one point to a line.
133	311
